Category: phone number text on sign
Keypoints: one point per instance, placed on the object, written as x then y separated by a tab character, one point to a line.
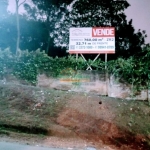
92	40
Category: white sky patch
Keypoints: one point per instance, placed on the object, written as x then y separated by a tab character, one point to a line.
139	11
12	6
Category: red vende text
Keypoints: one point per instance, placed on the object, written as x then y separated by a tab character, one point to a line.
103	32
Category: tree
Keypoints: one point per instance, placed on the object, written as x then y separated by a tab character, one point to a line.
33	34
7	27
18	24
102	13
3	9
8	32
52	11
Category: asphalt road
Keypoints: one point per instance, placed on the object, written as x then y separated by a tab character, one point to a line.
16	146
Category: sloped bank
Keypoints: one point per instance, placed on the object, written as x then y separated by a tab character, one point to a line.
109	120
116	122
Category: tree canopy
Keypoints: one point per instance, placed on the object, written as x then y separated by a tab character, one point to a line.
103	13
46	24
3	8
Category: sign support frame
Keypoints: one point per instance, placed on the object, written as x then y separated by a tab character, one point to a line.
89	65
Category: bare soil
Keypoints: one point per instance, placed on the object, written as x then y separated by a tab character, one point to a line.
69	119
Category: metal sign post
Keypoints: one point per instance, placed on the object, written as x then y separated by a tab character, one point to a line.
106	61
76	60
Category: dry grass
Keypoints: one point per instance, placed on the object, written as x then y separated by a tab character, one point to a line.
27	106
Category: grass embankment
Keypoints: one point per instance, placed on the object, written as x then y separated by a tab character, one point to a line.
36	110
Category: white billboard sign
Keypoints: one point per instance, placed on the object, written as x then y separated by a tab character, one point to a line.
92	40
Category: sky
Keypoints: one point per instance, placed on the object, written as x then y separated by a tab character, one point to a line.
139	12
12	7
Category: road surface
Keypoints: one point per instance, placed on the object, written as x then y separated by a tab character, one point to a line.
16	146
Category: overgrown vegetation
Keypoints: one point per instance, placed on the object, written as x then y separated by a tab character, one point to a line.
134	70
27	65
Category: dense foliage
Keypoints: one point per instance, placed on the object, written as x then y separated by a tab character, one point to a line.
27	66
135	70
104	13
46	24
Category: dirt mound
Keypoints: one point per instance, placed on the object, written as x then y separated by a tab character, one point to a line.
100	131
87	126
